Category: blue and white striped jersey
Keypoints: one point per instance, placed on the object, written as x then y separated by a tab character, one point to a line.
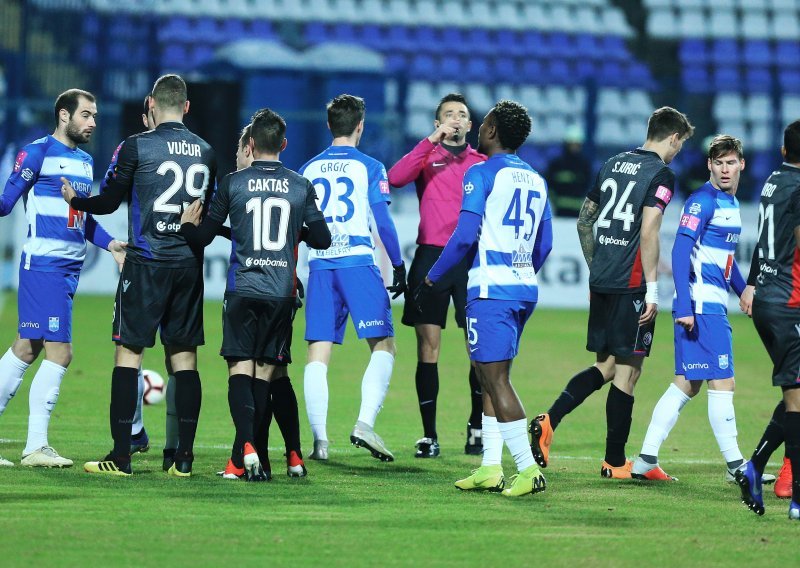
511	197
56	233
347	183
710	217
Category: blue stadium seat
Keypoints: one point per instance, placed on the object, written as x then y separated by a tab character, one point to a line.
315	32
727	79
91	25
89	54
757	52
696	80
758	80
480	41
478	70
535	44
206	32
372	36
639	75
614	48
175	56
450	68
233	29
587	46
789	80
201	54
261	29
693	50
787	54
533	72
344	33
560	73
427	38
176	29
424	67
561	45
506	69
395	63
398	38
508	43
612	74
454	39
725	51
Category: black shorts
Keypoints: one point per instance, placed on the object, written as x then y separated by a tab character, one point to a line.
257	329
153	296
452	285
778	326
614	325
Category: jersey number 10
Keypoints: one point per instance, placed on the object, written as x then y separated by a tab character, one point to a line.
262	222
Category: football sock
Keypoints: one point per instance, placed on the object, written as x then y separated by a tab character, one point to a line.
138	424
374	386
284	406
665	415
123	407
619	414
11	371
791	427
188	398
515	436
427	380
42	400
262	418
315	390
476	397
771	440
723	422
171	441
492	442
578	389
243	410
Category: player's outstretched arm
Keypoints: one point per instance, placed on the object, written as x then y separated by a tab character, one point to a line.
197	233
587	217
408	168
11	195
117	188
317	235
23	176
650	249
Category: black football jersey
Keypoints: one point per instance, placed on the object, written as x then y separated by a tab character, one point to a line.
268	204
626	184
778	279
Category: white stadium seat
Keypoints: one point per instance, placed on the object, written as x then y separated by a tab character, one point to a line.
728	106
661	23
691	23
758	108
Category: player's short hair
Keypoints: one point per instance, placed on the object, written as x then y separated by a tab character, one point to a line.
69	100
513	123
169	92
268	131
146	110
665	122
724	144
245	135
791	142
451	98
344	114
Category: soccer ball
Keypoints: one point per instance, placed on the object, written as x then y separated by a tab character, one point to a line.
154	387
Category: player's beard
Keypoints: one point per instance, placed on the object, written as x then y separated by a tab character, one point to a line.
76	135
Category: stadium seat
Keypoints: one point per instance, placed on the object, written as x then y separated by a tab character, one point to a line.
614	48
727	79
695	79
479	97
205	31
728	106
323	10
480	41
757	52
587	46
725	51
758	108
506	69
789	80
533	71
453	67
535	17
758	80
661	23
174	57
425	12
347	11
691	23
452	13
398	12
754	24
399	38
760	136
508	42
344	33
506	91
785	26
421	96
790	108
559	72
373	12
535	44
315	33
614	22
261	29
477	69
787	54
560	16
420	125
176	29
610	102
612	74
587	20
531	96
693	51
395	63
424	67
723	24
611	131
585	70
510	15
638	103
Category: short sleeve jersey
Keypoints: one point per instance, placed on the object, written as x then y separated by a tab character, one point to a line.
267	205
711	218
511	198
164	169
778	280
347	183
625	185
56	232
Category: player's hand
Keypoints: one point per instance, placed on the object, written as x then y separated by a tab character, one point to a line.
67	191
746	300
192	213
301	291
686	322
445	131
422	291
649	314
117	250
399	285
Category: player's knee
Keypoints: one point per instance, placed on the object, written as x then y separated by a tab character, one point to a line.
24	350
61	355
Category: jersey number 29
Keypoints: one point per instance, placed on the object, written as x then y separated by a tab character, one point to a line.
162	204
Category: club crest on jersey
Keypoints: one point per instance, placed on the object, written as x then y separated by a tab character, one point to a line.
695	208
87	168
53	324
723	361
20	158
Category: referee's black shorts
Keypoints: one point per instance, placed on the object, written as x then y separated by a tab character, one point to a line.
614	325
257	329
779	329
152	296
452	285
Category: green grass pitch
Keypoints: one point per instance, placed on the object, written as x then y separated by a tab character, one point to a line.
356	511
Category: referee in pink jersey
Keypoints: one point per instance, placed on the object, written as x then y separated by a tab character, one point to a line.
436	166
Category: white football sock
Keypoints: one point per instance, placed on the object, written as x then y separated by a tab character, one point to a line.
11	371
375	385
42	400
723	422
315	389
171	437
665	415
515	436
492	442
138	424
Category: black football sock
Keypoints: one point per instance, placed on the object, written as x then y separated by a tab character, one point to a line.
262	420
791	429
188	397
427	379
619	414
476	396
577	390
771	440
243	410
124	390
284	407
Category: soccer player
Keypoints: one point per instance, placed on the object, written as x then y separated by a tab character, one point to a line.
50	266
504	230
437	165
703	267
351	188
626	203
161	285
268	206
775	271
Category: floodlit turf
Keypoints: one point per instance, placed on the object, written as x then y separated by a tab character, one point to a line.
356	511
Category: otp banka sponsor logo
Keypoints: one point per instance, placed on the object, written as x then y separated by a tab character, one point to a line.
268	262
164	226
371	323
614	241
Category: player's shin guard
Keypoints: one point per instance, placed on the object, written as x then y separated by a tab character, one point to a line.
771	440
791	426
665	415
188	398
492	442
619	415
476	399
375	385
123	407
427	383
284	407
11	371
723	423
315	388
577	390
242	407
43	397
